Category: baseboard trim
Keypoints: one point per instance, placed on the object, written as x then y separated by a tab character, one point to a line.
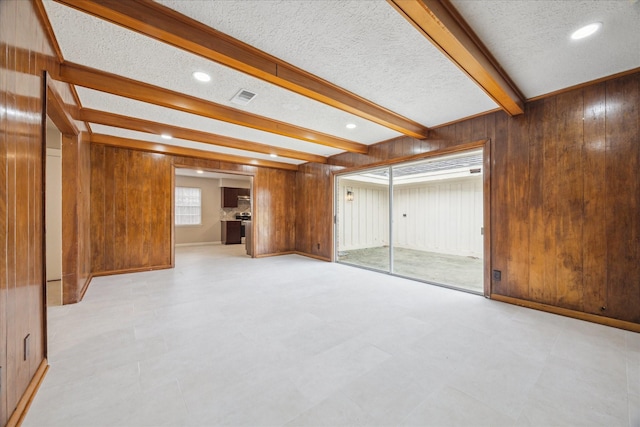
25	401
321	258
182	245
85	286
131	270
275	254
594	318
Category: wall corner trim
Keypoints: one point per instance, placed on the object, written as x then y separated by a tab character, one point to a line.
25	401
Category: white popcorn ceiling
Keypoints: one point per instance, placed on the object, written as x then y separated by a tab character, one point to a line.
532	39
128	107
363	46
143	136
99	44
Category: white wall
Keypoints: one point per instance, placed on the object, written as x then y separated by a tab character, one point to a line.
444	217
53	210
441	216
363	222
209	231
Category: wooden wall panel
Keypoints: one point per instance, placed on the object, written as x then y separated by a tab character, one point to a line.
565	196
131	208
23	57
314	209
126	226
622	218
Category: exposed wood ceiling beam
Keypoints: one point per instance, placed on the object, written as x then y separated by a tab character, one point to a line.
140	125
166	25
117	85
152	147
441	24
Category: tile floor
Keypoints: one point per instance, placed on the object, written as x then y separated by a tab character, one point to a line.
227	340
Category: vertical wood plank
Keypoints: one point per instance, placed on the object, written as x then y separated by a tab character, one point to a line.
570	200
594	251
548	292
537	192
622	219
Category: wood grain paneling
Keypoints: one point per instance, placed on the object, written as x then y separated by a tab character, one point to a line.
131	207
23	57
565	196
126	188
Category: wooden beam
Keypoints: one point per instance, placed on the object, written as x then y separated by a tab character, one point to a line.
106	82
140	125
168	26
152	147
443	26
58	111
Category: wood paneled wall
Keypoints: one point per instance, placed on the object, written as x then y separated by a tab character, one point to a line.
130	210
25	53
274	203
76	232
314	210
131	215
565	196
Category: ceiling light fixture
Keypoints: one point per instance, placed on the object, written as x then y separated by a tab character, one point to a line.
273	155
199	171
351	126
586	31
201	77
165	136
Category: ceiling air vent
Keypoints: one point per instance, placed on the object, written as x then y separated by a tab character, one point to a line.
243	97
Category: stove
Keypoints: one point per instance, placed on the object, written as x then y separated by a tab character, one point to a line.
243	217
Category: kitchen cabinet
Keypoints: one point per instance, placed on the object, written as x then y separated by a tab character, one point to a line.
231	232
230	196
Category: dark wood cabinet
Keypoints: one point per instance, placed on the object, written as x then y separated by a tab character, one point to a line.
230	197
231	232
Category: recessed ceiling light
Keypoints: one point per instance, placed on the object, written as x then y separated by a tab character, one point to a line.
273	155
586	31
165	136
351	126
199	171
201	77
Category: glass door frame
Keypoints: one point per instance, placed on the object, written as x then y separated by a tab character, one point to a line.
485	145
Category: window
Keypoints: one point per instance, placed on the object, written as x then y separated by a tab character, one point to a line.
188	206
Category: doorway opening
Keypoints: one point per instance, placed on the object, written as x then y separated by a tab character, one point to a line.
212	208
53	214
422	220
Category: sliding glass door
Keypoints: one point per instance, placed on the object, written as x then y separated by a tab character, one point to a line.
362	219
421	220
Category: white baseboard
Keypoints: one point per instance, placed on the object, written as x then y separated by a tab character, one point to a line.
179	245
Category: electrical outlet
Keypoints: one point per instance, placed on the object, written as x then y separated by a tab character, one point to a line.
497	275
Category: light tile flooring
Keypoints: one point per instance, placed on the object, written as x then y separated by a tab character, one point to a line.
226	340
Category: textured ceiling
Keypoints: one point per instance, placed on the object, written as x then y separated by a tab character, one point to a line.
365	47
532	39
